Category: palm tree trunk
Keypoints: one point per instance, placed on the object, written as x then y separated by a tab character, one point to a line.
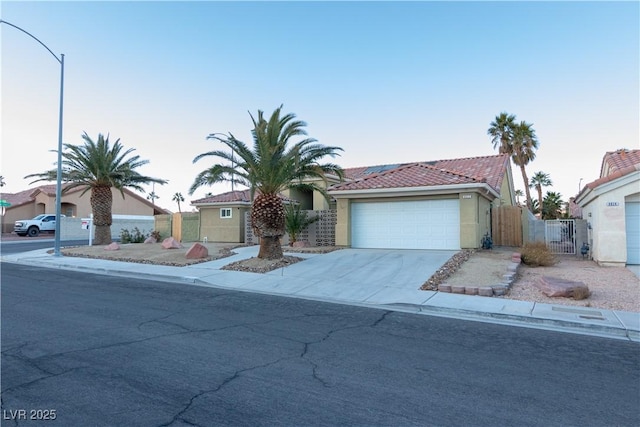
526	187
539	188
101	203
270	248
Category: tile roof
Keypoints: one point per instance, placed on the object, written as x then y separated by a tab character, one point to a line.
28	196
241	196
619	173
229	197
487	169
614	161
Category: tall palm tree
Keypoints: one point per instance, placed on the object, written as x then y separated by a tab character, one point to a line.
518	193
524	143
517	140
97	167
271	166
501	131
178	198
539	180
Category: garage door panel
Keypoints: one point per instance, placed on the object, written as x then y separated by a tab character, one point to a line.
425	224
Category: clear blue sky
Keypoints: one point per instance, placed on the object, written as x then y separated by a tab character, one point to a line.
387	81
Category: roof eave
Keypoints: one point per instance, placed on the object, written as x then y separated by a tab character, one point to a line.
415	191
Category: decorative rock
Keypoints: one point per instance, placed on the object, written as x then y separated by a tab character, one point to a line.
300	244
112	247
197	251
485	291
499	292
471	290
150	239
554	287
171	243
444	288
458	289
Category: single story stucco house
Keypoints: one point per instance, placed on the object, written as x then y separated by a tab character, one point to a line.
611	206
444	204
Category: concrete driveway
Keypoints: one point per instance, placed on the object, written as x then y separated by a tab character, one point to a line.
370	275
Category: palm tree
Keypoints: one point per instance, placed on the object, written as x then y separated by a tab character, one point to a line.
501	131
153	196
539	180
178	198
518	194
2	183
272	166
524	144
517	140
552	205
97	167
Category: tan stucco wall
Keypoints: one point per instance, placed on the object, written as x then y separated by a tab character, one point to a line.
17	213
216	229
343	225
607	235
318	200
506	192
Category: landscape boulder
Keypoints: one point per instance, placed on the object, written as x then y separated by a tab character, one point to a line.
300	244
150	239
555	287
197	251
171	243
112	247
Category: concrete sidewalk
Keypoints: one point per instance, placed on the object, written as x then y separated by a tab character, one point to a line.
370	278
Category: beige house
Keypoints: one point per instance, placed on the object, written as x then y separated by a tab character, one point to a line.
444	204
611	206
222	216
29	203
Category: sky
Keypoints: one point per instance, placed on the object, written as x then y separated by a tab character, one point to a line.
388	82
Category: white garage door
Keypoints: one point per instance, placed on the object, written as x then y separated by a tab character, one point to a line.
632	220
424	224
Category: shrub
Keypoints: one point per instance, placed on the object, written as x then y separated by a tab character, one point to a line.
295	221
537	254
135	236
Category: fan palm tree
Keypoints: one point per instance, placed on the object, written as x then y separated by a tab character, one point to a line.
539	180
552	205
274	164
517	140
178	198
518	193
501	131
98	167
524	144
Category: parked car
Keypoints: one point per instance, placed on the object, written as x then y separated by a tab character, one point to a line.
33	227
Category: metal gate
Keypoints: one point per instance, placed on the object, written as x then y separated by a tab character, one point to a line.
560	236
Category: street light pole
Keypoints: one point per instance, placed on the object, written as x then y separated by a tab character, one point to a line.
60	60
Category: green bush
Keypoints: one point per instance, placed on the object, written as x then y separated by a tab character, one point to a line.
135	236
295	221
537	254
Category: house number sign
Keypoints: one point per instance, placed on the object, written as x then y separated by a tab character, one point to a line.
613	204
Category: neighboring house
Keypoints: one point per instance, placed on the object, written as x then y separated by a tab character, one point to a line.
444	204
611	206
29	203
222	216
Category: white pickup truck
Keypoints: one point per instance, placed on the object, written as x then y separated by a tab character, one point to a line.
33	227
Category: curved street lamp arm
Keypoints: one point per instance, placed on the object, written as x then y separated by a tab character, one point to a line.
2	21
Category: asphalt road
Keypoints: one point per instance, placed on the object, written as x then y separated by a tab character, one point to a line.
105	351
28	244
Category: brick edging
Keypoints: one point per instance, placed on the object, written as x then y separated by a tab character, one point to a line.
498	289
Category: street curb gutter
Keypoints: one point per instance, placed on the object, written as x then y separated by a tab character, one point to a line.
525	321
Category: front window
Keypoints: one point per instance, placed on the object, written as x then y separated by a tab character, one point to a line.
225	212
